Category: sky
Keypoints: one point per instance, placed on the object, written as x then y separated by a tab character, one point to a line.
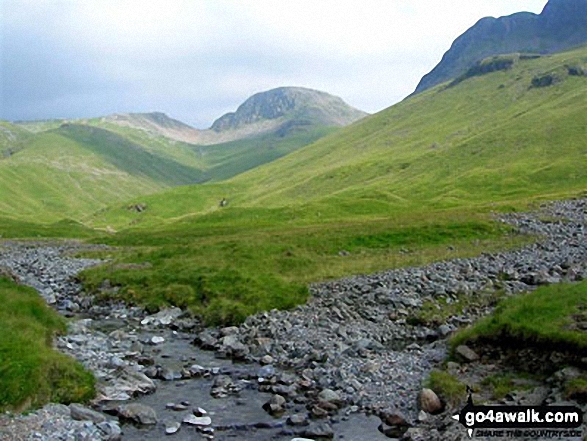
198	59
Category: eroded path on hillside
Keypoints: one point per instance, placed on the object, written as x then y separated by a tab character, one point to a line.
317	371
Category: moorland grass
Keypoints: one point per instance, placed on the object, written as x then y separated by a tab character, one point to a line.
490	139
543	318
32	373
448	387
225	272
66	228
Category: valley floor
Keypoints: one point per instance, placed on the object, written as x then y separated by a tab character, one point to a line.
359	347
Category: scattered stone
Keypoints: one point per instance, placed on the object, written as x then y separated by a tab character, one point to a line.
172	427
199	412
275	405
429	402
138	413
298	419
314	430
156	340
83	413
466	354
330	396
266	359
197	421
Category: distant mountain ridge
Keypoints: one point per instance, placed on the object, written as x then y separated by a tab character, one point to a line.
561	25
79	166
275	111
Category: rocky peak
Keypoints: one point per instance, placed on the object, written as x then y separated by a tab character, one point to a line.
289	102
562	24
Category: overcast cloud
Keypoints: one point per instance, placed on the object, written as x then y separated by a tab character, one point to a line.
198	59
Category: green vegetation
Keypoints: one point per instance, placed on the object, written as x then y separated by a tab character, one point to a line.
419	177
54	176
217	162
65	228
542	319
31	371
11	138
488	65
412	184
504	383
56	167
435	312
223	161
225	271
576	389
130	157
447	387
492	139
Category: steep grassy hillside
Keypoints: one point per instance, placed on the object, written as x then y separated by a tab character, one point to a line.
412	184
55	176
89	163
130	157
11	138
224	160
498	135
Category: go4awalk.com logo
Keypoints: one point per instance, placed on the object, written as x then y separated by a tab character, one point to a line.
521	421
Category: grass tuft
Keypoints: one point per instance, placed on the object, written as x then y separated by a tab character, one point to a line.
447	387
32	373
544	318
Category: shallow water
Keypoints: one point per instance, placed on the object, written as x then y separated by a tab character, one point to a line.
233	417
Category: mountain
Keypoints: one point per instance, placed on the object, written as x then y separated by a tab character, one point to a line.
283	109
52	167
70	173
512	131
561	25
279	111
157	123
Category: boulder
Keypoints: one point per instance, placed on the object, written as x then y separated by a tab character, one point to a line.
138	413
83	413
466	354
429	402
330	396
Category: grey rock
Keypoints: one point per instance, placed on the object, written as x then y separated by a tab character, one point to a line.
83	413
330	396
138	413
318	430
111	430
429	402
193	420
466	354
172	427
298	419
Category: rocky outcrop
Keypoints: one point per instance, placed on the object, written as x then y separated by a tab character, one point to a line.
561	25
290	105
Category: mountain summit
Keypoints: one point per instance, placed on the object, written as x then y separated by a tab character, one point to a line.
280	111
286	105
562	24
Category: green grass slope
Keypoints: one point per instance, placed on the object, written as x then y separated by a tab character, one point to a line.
221	161
54	176
498	137
130	157
11	138
489	138
412	184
